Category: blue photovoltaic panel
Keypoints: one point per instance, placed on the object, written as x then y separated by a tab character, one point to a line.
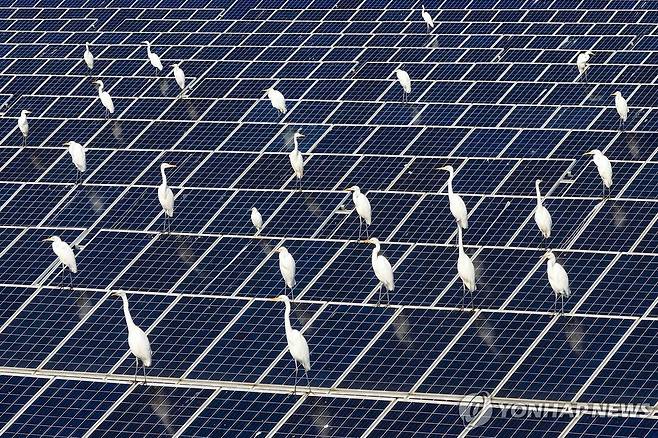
495	93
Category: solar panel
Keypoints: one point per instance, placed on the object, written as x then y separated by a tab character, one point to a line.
496	94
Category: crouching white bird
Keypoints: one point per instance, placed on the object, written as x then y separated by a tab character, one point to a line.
542	216
256	219
277	100
297	344
457	206
179	75
296	159
138	342
23	125
66	257
405	82
362	206
153	57
605	169
558	279
105	97
582	61
622	109
466	270
382	268
78	156
287	268
166	197
427	18
88	57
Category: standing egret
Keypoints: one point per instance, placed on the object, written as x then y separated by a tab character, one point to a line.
179	74
88	57
558	279
153	57
622	109
362	206
138	342
256	219
457	206
582	63
405	82
287	268
297	345
23	125
277	99
466	270
66	257
542	216
77	152
427	18
296	159
382	268
604	167
166	197
105	97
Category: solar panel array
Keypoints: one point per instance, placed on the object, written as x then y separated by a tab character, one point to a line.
496	94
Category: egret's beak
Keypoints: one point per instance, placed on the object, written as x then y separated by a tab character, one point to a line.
347	190
115	294
364	241
172	165
28	112
301	136
588	153
47	239
277	249
441	168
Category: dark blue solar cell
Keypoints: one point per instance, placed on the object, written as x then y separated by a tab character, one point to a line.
510	424
343	139
309	210
229	110
485	92
185	163
31	204
522	179
645	183
16	392
607	426
528	117
324	172
123	167
353	113
428	419
28	164
485	143
439	115
422	175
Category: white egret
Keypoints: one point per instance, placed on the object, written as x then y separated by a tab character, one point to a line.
65	255
277	99
558	279
362	206
604	167
297	344
78	156
622	109
405	82
287	268
296	159
582	63
23	125
179	75
542	216
427	18
256	219
382	268
138	342
153	57
457	206
166	197
465	269
105	97
88	57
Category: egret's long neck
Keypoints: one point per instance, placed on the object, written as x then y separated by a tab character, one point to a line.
164	177
87	46
287	317
126	312
148	48
100	89
375	252
295	144
538	194
452	175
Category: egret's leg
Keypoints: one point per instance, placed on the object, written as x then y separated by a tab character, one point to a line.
296	369
463	300
470	292
308	383
379	295
292	294
136	365
61	278
360	220
70	280
562	299
367	231
144	368
555	304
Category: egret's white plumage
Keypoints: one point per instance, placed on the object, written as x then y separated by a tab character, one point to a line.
427	18
465	268
277	99
457	206
166	196
153	57
64	253
604	167
296	158
179	75
362	206
138	342
558	279
105	97
382	268
78	156
582	61
88	57
23	125
405	82
297	344
622	108
256	219
542	216
287	268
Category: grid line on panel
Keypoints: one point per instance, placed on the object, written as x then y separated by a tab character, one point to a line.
109	411
27	405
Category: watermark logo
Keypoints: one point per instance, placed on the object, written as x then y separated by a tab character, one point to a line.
475	409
